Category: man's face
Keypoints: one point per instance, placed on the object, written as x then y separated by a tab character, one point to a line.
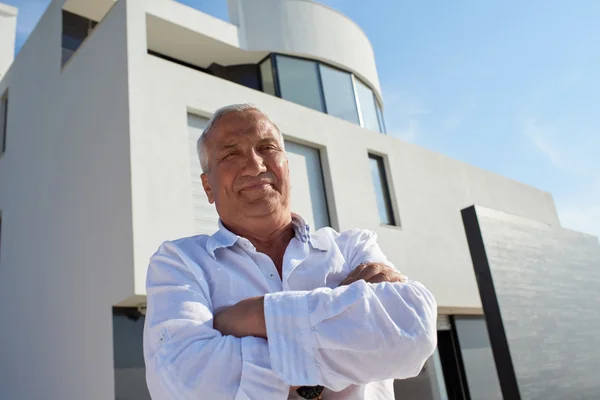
248	174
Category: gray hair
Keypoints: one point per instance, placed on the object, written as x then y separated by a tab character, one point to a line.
220	113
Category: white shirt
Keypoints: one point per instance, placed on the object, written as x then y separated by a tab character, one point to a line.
354	340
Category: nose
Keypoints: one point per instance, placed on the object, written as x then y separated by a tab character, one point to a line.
254	164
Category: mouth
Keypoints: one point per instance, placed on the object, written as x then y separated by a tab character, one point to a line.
256	186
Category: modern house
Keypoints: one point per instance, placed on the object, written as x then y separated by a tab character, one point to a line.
99	114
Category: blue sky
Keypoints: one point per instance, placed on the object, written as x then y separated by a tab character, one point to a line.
510	86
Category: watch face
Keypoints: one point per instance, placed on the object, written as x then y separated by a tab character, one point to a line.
310	392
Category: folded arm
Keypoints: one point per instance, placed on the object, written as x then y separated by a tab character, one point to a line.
186	358
354	334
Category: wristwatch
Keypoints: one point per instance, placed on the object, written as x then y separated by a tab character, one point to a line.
310	392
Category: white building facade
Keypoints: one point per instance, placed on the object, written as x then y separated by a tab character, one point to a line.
99	116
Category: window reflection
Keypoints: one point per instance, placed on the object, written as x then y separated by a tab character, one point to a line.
324	88
368	109
382	193
299	82
381	120
312	169
75	29
339	94
266	74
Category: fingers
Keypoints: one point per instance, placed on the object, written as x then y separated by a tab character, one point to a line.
352	275
370	271
377	278
374	273
392	277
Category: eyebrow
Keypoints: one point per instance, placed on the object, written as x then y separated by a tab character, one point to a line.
268	140
226	147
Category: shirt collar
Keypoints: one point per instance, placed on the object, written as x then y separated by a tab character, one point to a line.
223	237
304	234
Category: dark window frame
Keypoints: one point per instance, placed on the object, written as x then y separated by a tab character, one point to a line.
386	189
4	127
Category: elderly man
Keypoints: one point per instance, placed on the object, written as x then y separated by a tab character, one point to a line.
266	309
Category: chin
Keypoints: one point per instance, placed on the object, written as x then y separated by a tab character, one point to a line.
263	206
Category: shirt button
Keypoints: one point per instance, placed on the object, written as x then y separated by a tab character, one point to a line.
272	276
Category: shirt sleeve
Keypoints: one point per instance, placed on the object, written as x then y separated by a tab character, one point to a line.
353	334
185	357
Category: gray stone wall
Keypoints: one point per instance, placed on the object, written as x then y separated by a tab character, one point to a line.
547	285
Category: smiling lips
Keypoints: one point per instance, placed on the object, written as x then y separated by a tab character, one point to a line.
255	186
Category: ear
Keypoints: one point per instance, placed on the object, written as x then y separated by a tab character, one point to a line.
207	189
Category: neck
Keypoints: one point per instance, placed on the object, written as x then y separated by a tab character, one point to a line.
264	232
269	236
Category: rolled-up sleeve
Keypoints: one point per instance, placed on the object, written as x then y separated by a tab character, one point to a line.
185	357
353	334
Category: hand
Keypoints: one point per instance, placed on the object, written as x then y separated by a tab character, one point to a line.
246	318
374	273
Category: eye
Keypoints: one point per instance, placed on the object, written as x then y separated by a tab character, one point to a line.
229	155
268	147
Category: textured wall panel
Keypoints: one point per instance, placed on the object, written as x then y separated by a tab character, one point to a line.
547	295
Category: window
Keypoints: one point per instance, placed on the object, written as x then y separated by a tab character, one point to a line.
205	214
3	121
243	74
382	192
339	93
266	75
128	354
309	198
381	121
75	29
299	82
368	108
477	357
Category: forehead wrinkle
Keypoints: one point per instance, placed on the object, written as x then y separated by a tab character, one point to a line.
242	127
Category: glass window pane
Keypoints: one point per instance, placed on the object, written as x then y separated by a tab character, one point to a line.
266	74
75	29
382	194
339	94
478	358
381	121
310	165
75	26
367	106
299	82
128	355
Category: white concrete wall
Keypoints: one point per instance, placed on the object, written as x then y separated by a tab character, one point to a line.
430	189
8	32
193	20
65	196
305	28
